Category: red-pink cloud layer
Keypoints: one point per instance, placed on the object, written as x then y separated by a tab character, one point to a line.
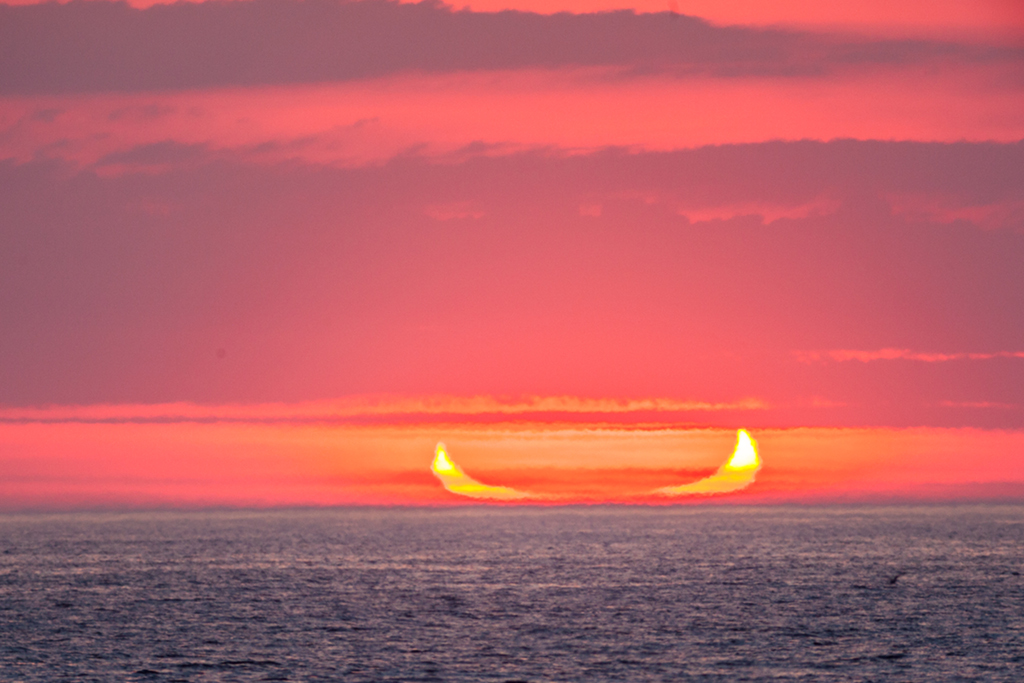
371	121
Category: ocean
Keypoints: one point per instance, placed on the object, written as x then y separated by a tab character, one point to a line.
702	593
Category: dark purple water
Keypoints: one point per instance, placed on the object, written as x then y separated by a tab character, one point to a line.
558	594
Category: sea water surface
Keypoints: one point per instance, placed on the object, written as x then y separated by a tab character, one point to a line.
515	594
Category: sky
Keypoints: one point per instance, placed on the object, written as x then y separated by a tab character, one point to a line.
271	252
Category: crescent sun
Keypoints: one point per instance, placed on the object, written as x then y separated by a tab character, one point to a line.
736	473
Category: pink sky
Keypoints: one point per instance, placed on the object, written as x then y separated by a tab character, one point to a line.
232	273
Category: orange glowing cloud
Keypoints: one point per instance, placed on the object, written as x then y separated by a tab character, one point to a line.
381	408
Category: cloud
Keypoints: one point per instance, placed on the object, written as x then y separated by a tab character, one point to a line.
975	20
453	210
984	405
945	209
841	355
100	46
769	213
381	409
966	18
564	111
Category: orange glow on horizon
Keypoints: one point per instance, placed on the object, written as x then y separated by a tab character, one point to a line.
79	464
86	465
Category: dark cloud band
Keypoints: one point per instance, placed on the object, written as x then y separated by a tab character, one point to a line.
101	46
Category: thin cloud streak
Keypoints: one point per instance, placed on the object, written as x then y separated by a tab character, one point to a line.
841	355
408	410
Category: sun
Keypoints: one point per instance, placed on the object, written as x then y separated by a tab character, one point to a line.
736	473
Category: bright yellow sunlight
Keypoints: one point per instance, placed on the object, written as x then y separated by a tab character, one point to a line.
744	456
442	463
736	473
456	481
